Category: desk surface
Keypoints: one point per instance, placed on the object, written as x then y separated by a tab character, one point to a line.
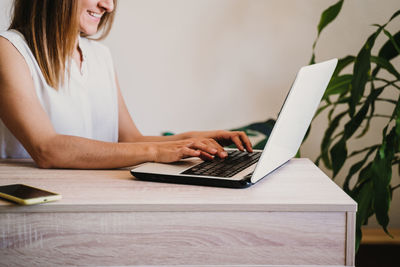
297	186
295	216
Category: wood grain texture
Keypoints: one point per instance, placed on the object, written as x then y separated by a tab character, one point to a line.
295	216
350	238
297	186
172	238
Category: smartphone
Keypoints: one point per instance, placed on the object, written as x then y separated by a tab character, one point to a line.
27	195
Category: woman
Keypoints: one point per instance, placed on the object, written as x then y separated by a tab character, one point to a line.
60	102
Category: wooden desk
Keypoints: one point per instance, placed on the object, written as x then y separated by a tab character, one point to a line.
295	216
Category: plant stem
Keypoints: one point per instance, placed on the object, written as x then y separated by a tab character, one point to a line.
363	150
387	100
337	135
395	187
388	82
379	116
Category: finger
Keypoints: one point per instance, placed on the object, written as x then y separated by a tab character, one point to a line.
205	156
224	138
237	141
188	152
246	141
204	148
221	151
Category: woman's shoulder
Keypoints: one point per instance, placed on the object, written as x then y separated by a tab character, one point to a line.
13	41
11	44
15	66
13	36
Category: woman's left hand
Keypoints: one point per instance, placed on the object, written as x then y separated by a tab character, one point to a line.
226	138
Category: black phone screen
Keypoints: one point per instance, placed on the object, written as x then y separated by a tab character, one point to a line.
24	191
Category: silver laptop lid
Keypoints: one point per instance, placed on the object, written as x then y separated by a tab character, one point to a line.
295	117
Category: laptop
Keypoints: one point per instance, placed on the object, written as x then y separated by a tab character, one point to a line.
243	169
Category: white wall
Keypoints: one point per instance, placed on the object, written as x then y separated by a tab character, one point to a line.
212	64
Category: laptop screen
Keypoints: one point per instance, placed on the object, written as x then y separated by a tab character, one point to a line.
295	117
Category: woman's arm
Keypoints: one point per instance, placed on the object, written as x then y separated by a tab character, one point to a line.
23	115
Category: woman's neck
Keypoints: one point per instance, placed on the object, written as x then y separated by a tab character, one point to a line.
77	54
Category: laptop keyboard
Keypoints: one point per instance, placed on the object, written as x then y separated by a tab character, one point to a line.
236	162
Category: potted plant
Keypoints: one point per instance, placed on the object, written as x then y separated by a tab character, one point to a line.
350	100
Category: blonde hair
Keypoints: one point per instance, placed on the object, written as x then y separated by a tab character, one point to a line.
50	28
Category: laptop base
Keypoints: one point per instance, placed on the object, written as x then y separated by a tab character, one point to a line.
193	180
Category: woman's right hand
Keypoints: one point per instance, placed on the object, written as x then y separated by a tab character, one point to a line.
204	148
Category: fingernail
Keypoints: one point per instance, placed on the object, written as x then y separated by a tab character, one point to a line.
224	154
214	151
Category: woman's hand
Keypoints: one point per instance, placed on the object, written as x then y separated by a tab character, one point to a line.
204	148
226	138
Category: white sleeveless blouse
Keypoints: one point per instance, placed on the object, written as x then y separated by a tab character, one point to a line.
86	105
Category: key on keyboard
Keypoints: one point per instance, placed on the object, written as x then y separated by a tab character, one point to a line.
236	162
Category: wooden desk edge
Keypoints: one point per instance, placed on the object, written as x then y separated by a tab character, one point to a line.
284	207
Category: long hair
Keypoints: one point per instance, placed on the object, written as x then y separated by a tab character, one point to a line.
50	28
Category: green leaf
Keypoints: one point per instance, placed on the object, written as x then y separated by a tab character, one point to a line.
338	85
388	50
329	15
362	67
305	137
396	116
396	130
363	176
364	199
261	144
382	174
355	168
366	128
355	122
343	100
397	127
384	63
392	40
316	162
342	63
373	148
351	127
395	15
338	156
320	109
312	60
327	139
330	113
